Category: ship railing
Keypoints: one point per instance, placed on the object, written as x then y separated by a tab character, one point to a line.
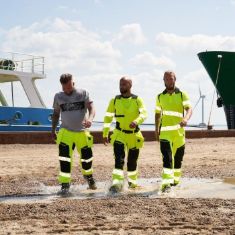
22	62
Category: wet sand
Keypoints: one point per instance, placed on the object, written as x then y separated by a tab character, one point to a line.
25	169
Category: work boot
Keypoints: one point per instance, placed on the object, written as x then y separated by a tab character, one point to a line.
174	184
132	185
91	182
115	188
166	188
64	189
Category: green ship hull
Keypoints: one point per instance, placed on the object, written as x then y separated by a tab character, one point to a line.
220	65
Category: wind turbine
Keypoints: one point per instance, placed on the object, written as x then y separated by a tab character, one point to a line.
201	97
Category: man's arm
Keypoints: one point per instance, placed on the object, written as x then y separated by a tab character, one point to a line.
91	110
55	121
157	125
142	114
108	118
188	115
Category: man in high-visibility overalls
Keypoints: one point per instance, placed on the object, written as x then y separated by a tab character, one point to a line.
129	112
171	105
72	104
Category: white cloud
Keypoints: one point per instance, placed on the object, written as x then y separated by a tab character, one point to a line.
149	60
131	33
172	43
65	44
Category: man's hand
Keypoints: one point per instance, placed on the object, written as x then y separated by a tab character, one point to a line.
87	123
54	135
105	141
133	125
157	135
183	122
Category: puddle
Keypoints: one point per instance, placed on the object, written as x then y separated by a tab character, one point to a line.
189	188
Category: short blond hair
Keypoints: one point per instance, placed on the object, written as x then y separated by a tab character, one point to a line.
169	72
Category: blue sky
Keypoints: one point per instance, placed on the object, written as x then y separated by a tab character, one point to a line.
98	41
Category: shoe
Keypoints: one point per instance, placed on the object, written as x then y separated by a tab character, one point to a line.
132	186
115	188
64	189
166	189
174	184
91	182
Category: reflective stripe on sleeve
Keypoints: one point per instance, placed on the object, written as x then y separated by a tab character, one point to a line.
158	108
186	102
106	125
108	114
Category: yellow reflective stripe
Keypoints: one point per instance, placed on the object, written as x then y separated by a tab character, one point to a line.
158	108
177	178
172	113
87	160
106	125
170	128
118	172
116	181
65	159
67	175
108	114
142	116
130	173
167	171
186	102
88	171
177	170
167	181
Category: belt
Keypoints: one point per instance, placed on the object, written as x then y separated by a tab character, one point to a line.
128	131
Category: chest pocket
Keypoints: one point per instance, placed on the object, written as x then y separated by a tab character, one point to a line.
124	108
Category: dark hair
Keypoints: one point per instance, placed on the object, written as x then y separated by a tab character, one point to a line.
64	78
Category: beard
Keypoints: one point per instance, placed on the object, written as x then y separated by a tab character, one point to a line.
123	91
170	87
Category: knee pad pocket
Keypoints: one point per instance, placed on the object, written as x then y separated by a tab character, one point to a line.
179	156
65	167
63	150
119	152
133	155
167	153
86	152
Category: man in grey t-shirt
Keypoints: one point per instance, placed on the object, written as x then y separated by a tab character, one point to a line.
77	112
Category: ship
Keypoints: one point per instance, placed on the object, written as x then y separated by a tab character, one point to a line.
220	66
23	70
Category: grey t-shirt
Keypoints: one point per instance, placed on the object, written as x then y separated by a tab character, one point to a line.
73	108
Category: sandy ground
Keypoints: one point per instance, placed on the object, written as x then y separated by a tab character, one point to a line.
23	168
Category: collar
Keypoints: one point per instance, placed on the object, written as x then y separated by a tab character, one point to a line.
176	91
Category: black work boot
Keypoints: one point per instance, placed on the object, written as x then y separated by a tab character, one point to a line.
115	188
64	189
91	182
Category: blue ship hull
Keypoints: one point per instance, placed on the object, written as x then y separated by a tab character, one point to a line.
25	119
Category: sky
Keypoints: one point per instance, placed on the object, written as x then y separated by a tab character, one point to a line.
99	41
